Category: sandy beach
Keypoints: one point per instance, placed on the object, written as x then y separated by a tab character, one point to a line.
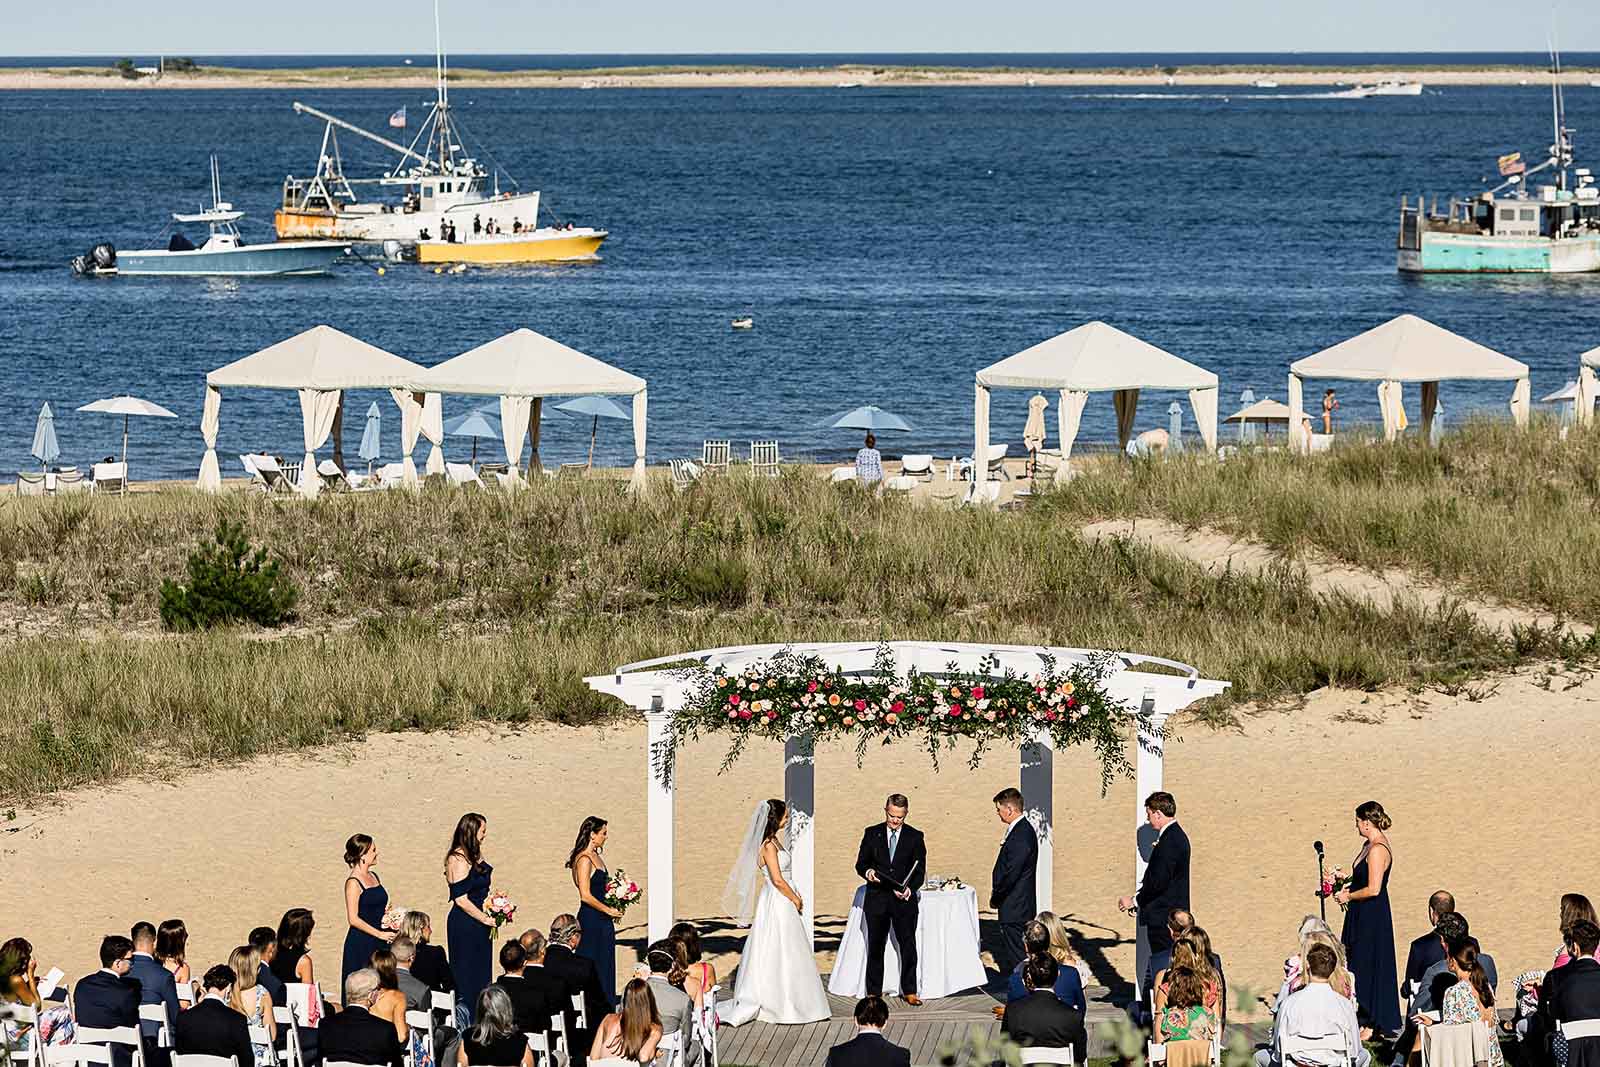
231	847
742	78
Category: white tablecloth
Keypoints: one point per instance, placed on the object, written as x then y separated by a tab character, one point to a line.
947	948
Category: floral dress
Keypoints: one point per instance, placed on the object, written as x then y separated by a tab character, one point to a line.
265	1056
55	1028
1460	1005
1197	1023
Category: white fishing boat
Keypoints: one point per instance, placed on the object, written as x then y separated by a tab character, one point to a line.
1395	88
437	190
1263	83
224	254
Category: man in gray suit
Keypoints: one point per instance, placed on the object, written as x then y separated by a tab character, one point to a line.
446	1040
673	1004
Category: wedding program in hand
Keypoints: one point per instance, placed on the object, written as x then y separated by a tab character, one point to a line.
778	980
893	860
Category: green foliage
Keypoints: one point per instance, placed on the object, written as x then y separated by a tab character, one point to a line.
181	65
228	583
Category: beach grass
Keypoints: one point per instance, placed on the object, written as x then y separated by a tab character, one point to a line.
1493	511
442	608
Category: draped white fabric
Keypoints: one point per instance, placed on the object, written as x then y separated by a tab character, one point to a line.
210	419
640	408
1298	441
410	423
980	435
514	411
1203	402
317	409
1069	414
1588	390
1430	400
1392	408
1126	402
1521	397
432	426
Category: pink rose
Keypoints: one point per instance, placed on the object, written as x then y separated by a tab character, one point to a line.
989	715
955	712
811	687
898	705
1050	715
861	705
733	699
771	715
744	713
732	714
977	692
1072	702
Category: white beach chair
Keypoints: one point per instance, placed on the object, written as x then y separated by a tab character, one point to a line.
997	461
461	475
764	459
391	475
333	476
70	480
30	484
1321	442
900	483
269	476
842	474
111	477
572	470
919	465
715	456
684	474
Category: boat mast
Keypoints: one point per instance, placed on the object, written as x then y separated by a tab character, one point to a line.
1561	149
216	187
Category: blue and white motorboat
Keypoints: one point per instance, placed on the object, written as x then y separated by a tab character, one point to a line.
224	253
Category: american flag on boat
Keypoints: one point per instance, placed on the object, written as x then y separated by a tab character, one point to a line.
398	119
1511	164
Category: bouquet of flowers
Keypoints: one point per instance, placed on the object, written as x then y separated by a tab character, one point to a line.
622	892
1332	882
501	909
394	918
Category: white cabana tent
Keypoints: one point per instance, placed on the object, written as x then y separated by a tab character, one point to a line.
319	364
1405	349
1094	357
1588	385
524	367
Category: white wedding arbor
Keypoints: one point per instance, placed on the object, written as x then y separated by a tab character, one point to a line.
659	687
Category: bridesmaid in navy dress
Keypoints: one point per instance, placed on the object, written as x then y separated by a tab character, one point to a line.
365	901
469	929
1369	925
598	942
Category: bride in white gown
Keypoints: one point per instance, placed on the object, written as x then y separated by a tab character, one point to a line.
778	980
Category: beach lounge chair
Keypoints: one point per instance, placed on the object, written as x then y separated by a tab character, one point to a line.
391	475
30	484
333	477
997	461
461	475
70	480
900	483
111	477
917	466
842	474
764	459
1321	442
573	470
715	456
684	474
485	469
266	473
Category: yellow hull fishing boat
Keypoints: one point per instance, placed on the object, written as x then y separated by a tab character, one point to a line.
535	246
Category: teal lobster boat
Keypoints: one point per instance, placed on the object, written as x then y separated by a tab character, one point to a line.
1511	229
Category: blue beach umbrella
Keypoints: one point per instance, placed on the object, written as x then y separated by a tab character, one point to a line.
372	435
474	424
867	417
597	408
45	449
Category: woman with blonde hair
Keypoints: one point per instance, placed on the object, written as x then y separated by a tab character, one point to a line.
252	1001
430	965
628	1037
1316	932
1061	947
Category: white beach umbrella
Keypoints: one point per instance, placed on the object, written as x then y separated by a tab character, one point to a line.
127	406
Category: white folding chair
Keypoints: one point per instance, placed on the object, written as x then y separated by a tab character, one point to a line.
25	1015
111	477
288	1037
705	1025
580	1012
715	456
445	1002
116	1035
77	1055
327	1063
670	1046
260	1035
1292	1047
540	1046
1155	1053
157	1013
560	1045
1579	1028
1039	1054
1438	1032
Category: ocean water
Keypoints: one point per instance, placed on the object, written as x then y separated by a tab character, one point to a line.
888	242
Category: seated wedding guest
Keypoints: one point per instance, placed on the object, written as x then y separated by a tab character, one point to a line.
869	1048
212	1027
418	996
1179	922
1186	954
673	1006
172	945
1426	950
1067	985
1041	1019
531	1005
391	1003
495	1039
108	998
578	974
19	984
1182	1014
1571	993
1437	978
628	1037
1315	932
1574	906
1319	1014
700	976
1061	947
355	1035
1471	999
264	939
293	961
540	979
1210	960
252	1001
430	964
156	984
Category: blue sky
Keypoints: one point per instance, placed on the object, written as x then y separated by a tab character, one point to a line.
98	27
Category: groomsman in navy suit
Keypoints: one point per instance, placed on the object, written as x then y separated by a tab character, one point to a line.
108	998
1012	892
1166	876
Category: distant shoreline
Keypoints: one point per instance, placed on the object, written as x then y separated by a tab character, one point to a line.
752	77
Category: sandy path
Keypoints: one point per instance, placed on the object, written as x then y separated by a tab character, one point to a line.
1215	551
232	847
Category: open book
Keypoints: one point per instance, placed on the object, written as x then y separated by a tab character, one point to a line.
909	883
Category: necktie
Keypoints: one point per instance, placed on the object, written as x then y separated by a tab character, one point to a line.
894	839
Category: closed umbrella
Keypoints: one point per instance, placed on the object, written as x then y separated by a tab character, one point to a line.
127	406
597	408
1175	427
474	424
45	449
372	436
1247	432
1436	427
1033	432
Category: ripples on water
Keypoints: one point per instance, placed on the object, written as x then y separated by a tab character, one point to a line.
889	242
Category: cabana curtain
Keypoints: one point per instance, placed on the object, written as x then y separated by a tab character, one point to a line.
317	409
1069	415
210	420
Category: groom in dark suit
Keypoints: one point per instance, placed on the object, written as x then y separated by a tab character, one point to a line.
1166	876
894	861
1012	894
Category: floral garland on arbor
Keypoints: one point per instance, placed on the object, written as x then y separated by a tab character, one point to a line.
791	695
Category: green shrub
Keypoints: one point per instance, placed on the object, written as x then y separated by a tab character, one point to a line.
228	583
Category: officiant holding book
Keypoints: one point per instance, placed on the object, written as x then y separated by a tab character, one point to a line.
894	861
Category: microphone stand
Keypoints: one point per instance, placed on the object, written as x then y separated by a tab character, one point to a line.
1322	900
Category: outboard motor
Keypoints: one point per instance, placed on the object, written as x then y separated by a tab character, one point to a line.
101	259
